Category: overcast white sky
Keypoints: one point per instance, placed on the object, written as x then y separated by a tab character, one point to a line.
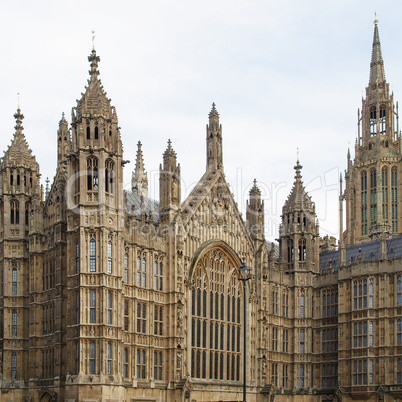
284	75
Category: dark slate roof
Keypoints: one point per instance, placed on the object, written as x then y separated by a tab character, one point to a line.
134	206
276	248
369	252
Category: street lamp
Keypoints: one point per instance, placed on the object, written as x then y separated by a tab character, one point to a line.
245	275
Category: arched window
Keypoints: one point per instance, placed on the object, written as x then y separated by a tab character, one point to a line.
92	307
11	178
14	212
302	305
92	354
215	331
92	174
364	202
139	274
371	333
27	213
109	258
14	324
373	196
14	282
302	250
88	132
383	123
399	332
92	254
371	293
394	198
373	122
290	251
399	291
384	180
96	133
109	176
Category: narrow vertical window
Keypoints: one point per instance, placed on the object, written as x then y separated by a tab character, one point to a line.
125	268
92	254
399	291
373	121
144	272
384	180
14	282
96	133
109	308
302	376
92	354
399	332
126	316
109	358
109	176
14	366
27	213
373	196
92	174
77	257
88	133
302	337
125	368
14	324
383	123
138	271
77	307
394	199
302	305
141	363
92	307
109	258
158	365
158	276
364	202
399	371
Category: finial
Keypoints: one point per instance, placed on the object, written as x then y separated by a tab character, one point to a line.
375	20
297	154
18	94
93	40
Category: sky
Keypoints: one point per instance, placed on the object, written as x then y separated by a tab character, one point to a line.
287	78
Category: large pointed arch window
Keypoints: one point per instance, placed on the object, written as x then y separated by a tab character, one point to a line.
215	321
14	212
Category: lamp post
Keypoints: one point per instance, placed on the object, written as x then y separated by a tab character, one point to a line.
245	275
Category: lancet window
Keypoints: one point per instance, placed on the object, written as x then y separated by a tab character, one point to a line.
364	202
394	199
92	174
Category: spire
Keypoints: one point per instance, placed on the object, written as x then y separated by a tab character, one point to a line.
139	181
169	150
377	74
94	60
214	140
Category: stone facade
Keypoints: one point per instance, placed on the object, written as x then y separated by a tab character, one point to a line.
107	295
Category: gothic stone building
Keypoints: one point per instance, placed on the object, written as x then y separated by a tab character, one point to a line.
107	295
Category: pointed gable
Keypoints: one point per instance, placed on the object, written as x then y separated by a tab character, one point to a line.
94	101
298	198
19	153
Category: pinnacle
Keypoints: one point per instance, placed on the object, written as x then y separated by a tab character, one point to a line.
94	60
18	117
298	169
169	149
377	73
213	111
139	164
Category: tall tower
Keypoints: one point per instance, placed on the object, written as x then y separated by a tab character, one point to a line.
214	141
255	213
169	185
19	190
372	190
94	237
299	245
